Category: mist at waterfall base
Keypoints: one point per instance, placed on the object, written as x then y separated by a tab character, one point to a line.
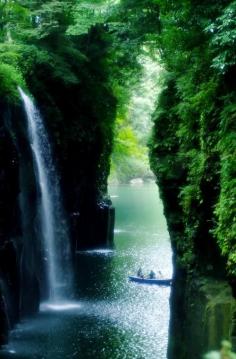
52	228
114	318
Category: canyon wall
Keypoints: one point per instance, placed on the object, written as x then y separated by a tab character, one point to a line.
78	109
192	153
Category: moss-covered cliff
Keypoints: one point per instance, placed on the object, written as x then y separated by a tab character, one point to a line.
192	153
79	110
68	79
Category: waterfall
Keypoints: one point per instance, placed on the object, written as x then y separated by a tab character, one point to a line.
52	223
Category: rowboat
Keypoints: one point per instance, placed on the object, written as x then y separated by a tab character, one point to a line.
165	282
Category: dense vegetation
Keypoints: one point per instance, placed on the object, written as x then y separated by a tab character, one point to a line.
79	44
132	128
42	50
193	145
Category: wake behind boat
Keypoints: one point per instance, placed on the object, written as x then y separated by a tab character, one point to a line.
157	281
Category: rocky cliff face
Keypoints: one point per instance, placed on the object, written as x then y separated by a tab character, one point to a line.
193	157
203	313
90	215
9	228
189	174
78	110
19	275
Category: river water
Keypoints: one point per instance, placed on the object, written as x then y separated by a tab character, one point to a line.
110	318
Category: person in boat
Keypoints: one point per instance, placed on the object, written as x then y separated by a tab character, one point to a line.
152	275
140	273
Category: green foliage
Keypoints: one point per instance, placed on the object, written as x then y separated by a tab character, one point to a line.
223	41
193	144
87	14
132	130
52	18
9	54
12	15
129	159
225	210
191	192
66	71
9	80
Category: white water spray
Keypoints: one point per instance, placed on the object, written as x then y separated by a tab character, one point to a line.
52	222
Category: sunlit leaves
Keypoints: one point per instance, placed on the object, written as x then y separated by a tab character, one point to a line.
223	32
10	78
89	13
12	17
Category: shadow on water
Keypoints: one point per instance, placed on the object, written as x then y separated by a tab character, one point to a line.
93	271
110	317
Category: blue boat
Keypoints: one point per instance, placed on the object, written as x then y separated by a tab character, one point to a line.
165	282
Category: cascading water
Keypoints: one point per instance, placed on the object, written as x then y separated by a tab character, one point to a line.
53	228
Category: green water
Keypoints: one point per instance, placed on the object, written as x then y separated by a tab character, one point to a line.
109	318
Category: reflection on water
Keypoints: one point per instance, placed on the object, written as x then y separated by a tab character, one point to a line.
110	318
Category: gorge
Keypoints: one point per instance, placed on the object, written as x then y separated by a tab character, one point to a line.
80	61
